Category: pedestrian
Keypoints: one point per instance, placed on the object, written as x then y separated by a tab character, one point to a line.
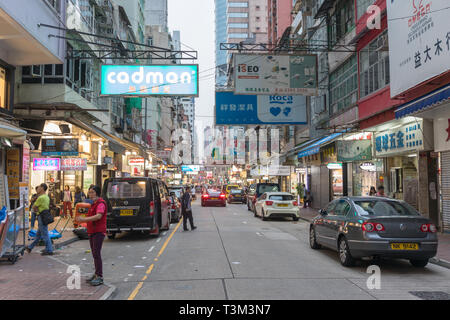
67	201
33	214
41	204
381	192
186	209
96	228
373	191
80	196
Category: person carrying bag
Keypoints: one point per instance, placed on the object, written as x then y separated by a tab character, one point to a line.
42	209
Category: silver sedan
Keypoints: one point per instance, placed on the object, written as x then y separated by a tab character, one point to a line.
360	227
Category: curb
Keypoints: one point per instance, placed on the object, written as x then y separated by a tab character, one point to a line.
108	293
67	242
440	262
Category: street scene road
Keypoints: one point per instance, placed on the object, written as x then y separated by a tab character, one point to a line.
233	255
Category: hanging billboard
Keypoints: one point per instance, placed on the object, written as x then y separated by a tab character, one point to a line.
275	74
234	109
419	38
149	80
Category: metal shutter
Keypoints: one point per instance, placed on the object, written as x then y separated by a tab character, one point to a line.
445	189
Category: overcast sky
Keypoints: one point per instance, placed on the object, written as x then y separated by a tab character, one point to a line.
195	21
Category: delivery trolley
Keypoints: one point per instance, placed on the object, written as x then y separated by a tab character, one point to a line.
11	224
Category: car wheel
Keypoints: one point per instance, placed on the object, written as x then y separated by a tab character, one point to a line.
295	218
312	239
419	263
344	253
111	236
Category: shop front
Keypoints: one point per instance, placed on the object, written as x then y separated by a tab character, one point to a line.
403	145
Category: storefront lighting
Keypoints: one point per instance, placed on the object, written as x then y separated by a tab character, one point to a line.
334	166
83	137
134	153
127	153
412	155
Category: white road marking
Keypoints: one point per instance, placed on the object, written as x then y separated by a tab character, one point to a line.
139	266
159	239
244	222
151	249
236	262
143	258
164	233
259	234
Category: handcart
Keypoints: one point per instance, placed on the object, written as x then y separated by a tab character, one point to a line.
53	234
10	226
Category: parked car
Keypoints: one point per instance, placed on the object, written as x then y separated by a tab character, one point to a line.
360	227
178	191
136	204
277	205
213	197
236	195
256	190
175	207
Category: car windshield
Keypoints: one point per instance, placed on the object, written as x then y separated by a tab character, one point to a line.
281	197
236	191
268	188
176	191
384	208
126	189
232	187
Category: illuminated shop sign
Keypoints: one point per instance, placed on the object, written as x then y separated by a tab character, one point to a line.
160	80
47	164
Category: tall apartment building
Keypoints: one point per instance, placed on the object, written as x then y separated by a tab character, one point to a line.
279	18
135	11
156	13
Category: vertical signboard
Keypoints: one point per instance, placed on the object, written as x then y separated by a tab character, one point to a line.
13	172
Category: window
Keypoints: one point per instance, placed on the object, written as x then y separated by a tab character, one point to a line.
282	197
238	25
126	189
238	4
344	86
342	208
384	208
238	35
374	65
342	21
362	6
238	14
48	73
55	4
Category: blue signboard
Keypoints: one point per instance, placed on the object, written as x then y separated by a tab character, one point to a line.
159	80
234	109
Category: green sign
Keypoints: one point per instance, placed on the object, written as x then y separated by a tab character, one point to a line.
354	150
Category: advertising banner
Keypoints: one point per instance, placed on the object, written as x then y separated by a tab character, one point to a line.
419	45
47	164
357	150
59	147
13	172
275	74
190	168
136	161
150	80
74	164
163	154
234	109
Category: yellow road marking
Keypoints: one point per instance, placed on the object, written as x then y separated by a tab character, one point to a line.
141	283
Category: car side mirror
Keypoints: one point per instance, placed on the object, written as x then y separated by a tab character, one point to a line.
323	212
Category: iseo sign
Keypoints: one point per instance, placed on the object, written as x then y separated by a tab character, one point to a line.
159	80
419	42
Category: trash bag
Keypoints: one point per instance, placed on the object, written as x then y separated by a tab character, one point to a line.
81	232
53	234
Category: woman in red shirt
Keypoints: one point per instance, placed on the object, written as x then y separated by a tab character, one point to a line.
96	228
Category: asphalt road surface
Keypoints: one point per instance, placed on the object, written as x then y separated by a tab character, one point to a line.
233	255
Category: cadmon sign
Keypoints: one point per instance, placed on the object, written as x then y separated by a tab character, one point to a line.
140	80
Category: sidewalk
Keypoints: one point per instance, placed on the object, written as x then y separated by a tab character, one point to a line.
36	277
443	253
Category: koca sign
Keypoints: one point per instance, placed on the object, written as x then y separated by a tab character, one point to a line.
160	80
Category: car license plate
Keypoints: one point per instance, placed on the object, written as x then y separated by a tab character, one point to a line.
214	198
128	212
283	205
404	246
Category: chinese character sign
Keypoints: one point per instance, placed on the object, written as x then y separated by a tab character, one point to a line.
47	164
275	74
234	109
406	138
419	45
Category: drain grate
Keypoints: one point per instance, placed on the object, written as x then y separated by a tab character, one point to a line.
431	295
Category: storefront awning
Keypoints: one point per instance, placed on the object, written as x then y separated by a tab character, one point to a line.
421	104
314	147
12	132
